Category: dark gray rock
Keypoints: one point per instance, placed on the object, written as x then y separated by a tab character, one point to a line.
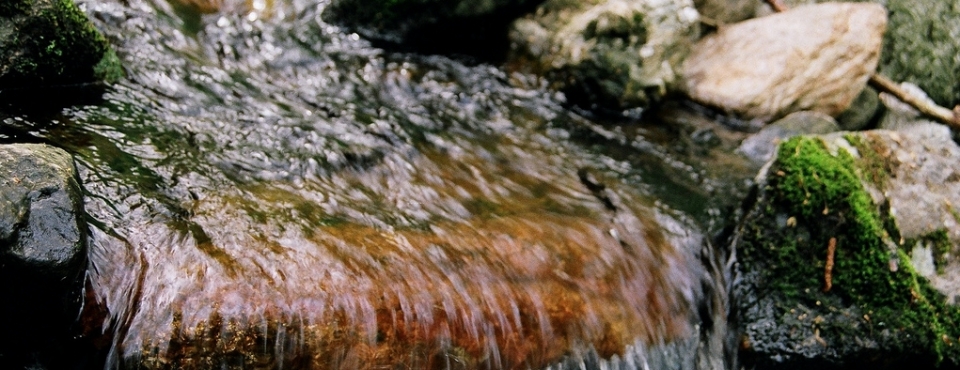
883	295
42	252
51	43
472	27
722	12
862	111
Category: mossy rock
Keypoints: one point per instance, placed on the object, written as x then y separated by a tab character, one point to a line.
871	306
51	43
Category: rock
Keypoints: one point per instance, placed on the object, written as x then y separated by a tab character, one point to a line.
725	12
899	115
42	252
884	297
47	43
922	46
815	57
615	54
464	26
759	148
861	112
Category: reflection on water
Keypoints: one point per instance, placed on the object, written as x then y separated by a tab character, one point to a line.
268	191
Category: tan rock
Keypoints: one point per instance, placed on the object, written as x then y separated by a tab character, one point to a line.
814	57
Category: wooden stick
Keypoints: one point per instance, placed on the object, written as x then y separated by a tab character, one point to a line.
828	269
883	84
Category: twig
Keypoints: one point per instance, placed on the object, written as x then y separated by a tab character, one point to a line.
828	269
927	108
943	115
777	6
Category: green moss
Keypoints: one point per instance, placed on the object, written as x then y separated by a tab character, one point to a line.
109	69
939	243
822	192
921	47
54	44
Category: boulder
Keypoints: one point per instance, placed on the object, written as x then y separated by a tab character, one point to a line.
815	57
51	43
615	54
847	254
922	46
463	26
42	252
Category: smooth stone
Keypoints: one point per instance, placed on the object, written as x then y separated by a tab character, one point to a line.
815	57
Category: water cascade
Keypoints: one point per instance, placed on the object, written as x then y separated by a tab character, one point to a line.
267	191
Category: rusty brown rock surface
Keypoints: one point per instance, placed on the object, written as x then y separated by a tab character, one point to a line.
815	57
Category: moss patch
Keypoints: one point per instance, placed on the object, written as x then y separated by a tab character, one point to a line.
821	197
52	42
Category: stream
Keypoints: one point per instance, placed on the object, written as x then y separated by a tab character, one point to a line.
265	190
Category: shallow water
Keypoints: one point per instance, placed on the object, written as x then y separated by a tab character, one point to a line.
268	191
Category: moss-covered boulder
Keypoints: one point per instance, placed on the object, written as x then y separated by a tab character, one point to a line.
618	54
49	43
474	27
847	253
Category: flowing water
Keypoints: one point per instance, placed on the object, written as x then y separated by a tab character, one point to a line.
266	190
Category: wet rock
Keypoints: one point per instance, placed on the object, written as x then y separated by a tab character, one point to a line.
815	57
760	147
847	254
51	43
615	54
42	253
463	26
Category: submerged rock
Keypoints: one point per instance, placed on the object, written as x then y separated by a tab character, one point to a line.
617	53
50	43
42	253
816	57
847	254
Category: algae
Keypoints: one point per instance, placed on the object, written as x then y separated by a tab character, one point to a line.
822	196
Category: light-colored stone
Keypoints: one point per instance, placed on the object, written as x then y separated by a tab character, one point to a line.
760	147
814	57
616	53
